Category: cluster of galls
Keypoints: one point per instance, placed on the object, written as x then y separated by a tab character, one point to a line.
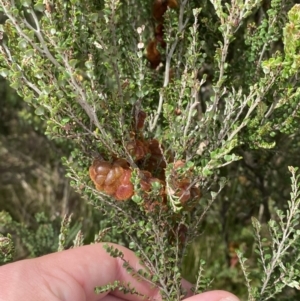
158	10
113	178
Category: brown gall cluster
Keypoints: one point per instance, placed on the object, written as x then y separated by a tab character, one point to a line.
158	10
113	178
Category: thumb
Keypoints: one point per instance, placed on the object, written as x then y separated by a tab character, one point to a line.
213	296
70	275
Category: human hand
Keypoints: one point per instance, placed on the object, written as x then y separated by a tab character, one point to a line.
73	274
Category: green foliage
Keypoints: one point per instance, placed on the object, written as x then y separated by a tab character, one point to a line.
6	249
43	233
278	252
227	92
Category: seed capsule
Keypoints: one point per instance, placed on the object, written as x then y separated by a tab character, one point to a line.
141	120
121	162
110	178
124	192
160	7
110	189
137	149
99	180
102	167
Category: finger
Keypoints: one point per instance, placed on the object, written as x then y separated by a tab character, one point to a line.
213	296
187	286
70	275
111	298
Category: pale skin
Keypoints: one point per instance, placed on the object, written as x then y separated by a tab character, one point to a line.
73	274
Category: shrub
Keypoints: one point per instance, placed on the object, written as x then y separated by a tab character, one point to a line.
177	113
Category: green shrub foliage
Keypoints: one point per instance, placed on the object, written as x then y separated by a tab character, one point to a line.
220	104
